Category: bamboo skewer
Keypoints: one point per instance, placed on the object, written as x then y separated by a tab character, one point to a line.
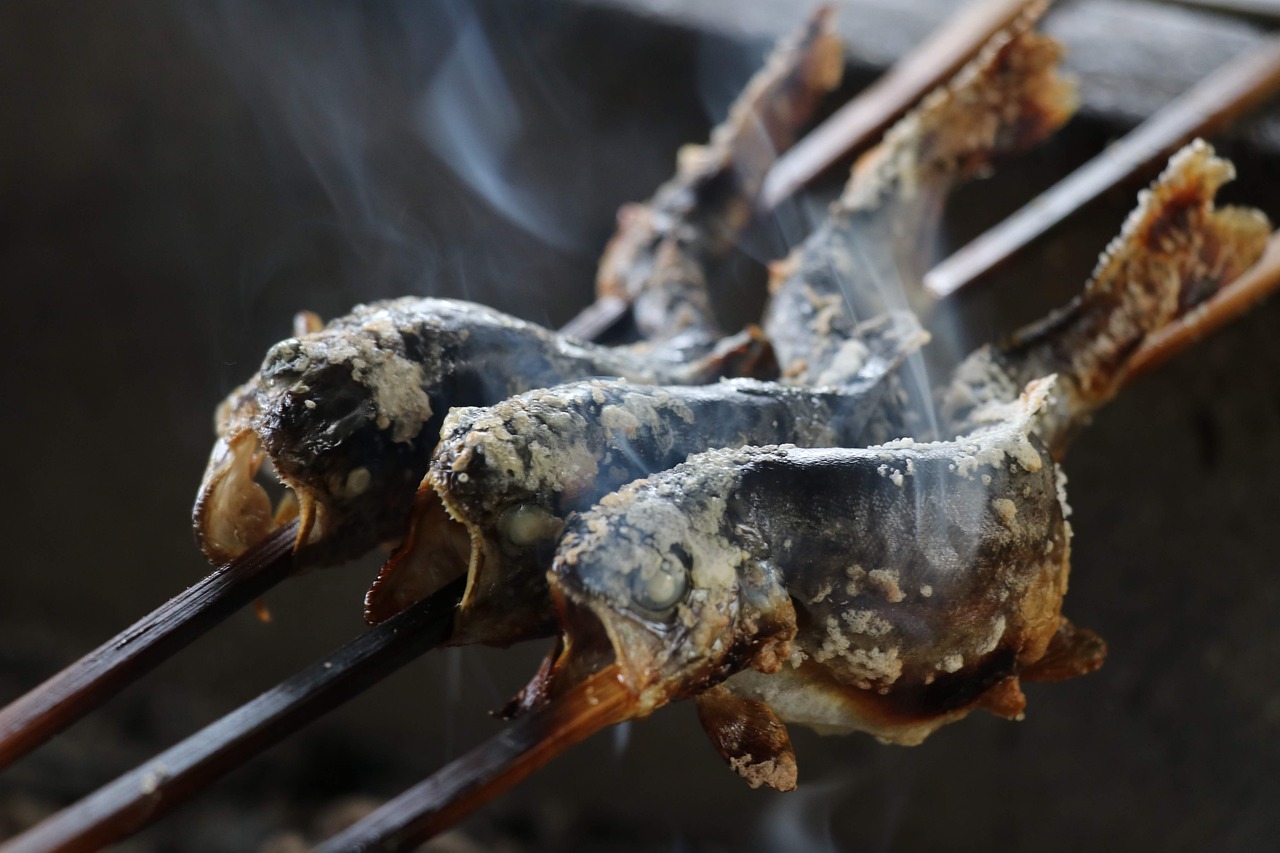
1227	94
860	122
79	688
142	795
495	766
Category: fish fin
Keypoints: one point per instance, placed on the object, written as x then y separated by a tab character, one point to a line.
1174	251
748	735
1005	699
1072	652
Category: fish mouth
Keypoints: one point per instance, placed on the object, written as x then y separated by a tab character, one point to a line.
437	549
595	634
505	599
234	512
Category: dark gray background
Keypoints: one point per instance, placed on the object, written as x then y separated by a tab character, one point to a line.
176	181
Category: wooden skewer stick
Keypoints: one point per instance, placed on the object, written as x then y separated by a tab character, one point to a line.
858	123
470	781
79	688
1228	93
142	795
597	319
1258	282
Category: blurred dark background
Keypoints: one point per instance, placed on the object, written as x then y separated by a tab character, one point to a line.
176	180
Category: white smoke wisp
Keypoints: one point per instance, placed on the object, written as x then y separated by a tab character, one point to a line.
315	87
891	257
429	147
801	820
621	739
471	120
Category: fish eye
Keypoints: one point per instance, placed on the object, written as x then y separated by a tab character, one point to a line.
528	524
658	589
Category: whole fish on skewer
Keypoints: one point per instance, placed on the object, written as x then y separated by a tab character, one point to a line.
889	590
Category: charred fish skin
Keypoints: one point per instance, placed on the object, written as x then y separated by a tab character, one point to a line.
1175	250
863	257
659	258
348	416
890	589
511	473
925	580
